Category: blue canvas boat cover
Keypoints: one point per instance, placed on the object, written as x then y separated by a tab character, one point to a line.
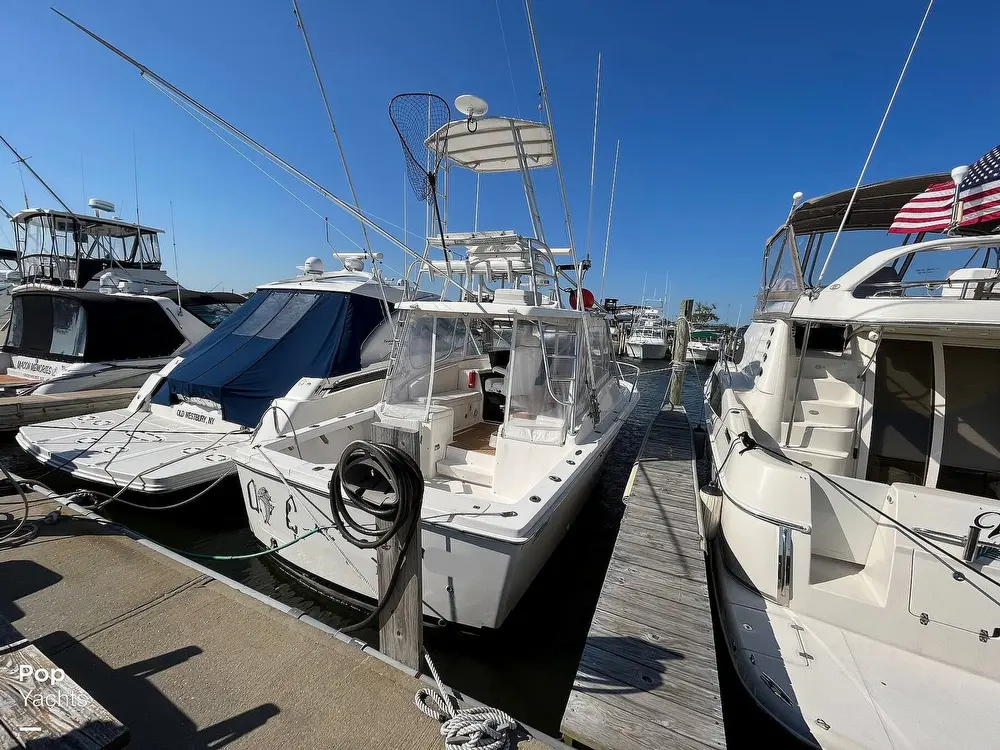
275	338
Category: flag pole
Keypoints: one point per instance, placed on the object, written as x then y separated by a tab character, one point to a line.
958	176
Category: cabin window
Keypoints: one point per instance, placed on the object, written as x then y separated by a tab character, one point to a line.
600	348
69	327
902	412
541	380
715	395
970	449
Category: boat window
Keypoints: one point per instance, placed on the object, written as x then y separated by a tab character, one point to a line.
780	284
970	449
600	348
715	394
264	314
537	405
937	273
902	412
455	341
212	313
289	315
92	328
69	327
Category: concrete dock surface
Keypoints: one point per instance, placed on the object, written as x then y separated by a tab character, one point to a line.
187	661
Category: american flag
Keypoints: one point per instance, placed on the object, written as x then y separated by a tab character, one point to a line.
979	197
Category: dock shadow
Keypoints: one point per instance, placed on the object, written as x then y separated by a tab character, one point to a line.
622	665
20	578
154	721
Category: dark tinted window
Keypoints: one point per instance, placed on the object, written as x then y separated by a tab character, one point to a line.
902	412
970	450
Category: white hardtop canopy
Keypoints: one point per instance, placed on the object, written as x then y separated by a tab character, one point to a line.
112	227
839	303
490	144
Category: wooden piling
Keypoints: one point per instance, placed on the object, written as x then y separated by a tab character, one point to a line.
682	333
400	631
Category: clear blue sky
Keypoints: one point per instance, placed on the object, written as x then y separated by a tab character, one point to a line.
724	109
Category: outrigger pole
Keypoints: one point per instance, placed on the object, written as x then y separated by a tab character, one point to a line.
162	83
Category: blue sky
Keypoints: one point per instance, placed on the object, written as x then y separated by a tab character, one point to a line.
723	109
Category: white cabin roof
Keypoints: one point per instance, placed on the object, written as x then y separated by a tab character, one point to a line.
488	144
338	281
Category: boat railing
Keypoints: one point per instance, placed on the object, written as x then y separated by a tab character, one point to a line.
513	260
622	376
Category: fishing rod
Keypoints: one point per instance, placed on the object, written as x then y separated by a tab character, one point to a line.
161	83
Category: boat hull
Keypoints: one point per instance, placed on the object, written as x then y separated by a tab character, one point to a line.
637	350
702	354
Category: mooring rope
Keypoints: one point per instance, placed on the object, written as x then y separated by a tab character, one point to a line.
475	728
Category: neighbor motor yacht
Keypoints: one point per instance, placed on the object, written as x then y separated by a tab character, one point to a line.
298	351
704	346
93	312
516	397
852	520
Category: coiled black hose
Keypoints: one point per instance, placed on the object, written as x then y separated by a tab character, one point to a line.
385	469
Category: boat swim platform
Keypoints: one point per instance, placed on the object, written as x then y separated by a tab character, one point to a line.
17	411
648	677
185	658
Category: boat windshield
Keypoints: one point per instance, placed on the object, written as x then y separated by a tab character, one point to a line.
436	344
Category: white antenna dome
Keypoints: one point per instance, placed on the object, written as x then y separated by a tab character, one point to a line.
313	266
99	205
797	196
354	264
958	174
471	106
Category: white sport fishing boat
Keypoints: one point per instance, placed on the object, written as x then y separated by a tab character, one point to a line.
516	399
297	352
94	316
704	346
647	338
856	444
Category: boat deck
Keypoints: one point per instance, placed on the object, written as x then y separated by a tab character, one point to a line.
476	438
648	675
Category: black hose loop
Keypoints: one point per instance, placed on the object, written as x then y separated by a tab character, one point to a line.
386	469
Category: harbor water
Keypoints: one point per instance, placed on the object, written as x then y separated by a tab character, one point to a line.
525	667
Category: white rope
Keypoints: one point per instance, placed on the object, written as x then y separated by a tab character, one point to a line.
476	728
878	134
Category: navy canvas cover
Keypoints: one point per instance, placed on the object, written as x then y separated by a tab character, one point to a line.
267	345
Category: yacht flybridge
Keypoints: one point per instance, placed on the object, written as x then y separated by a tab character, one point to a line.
516	398
856	445
94	312
298	351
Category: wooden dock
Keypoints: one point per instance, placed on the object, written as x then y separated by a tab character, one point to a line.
648	676
18	411
185	658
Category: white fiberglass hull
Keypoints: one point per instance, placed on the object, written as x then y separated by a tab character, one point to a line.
646	350
702	353
148	453
839	690
470	577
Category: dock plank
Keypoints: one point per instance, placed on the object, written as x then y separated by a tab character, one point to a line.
38	708
648	675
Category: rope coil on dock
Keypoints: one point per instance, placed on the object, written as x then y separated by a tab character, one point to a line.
476	728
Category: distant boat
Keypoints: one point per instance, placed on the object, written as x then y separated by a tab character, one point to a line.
648	337
93	312
316	343
704	346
